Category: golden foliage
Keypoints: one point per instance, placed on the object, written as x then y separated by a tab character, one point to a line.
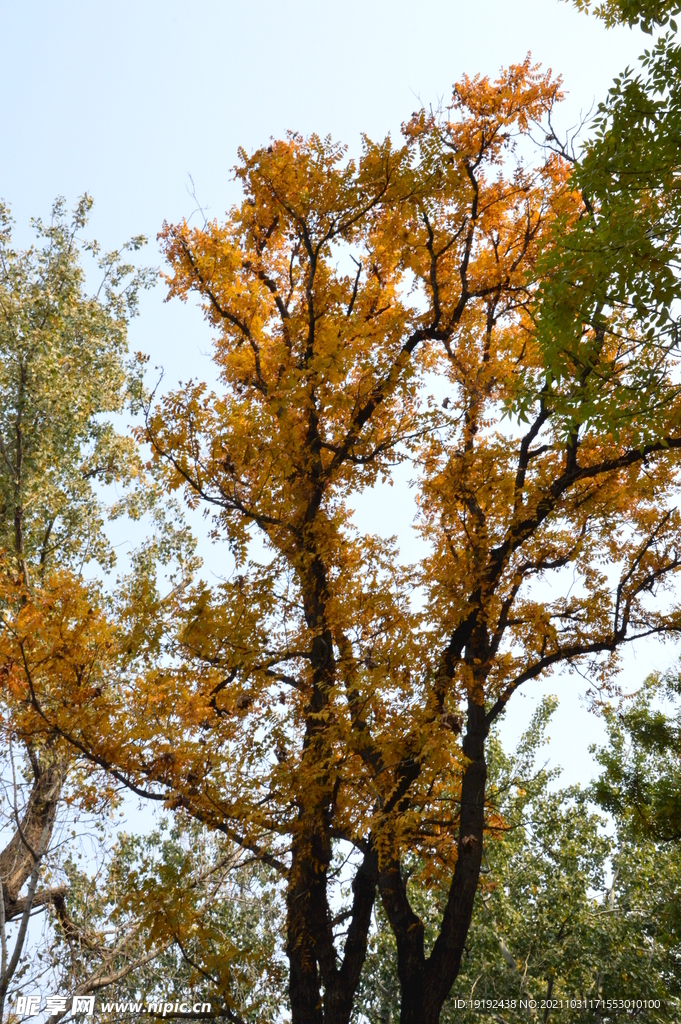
319	693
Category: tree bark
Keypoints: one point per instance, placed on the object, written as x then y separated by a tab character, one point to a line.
18	857
339	991
302	898
426	983
409	934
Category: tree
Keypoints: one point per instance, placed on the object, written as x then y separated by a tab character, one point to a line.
564	913
587	488
177	916
641	780
322	372
307	707
647	13
63	367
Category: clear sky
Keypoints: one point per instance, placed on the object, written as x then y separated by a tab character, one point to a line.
126	99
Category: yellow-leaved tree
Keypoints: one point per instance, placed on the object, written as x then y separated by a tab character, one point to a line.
305	704
324	708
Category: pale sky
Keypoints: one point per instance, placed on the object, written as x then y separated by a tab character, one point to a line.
126	99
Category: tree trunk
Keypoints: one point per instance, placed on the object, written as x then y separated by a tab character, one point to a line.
339	991
425	984
302	901
17	858
408	931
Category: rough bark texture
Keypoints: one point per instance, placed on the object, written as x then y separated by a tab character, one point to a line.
17	859
304	981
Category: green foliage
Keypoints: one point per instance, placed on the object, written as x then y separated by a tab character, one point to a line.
605	324
64	369
177	913
646	13
641	782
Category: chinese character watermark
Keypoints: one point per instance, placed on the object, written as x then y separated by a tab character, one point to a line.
29	1006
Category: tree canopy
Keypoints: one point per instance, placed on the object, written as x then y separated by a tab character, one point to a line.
641	780
483	301
648	14
64	369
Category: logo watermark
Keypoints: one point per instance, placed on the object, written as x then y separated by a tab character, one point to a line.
31	1005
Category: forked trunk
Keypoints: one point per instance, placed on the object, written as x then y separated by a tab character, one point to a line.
312	955
426	983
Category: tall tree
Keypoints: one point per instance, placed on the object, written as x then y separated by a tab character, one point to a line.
582	497
305	676
305	707
63	367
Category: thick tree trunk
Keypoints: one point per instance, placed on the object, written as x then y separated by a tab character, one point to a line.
310	947
313	958
17	859
425	984
308	864
306	902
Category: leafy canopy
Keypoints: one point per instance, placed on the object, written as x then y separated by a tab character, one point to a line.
648	14
308	704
